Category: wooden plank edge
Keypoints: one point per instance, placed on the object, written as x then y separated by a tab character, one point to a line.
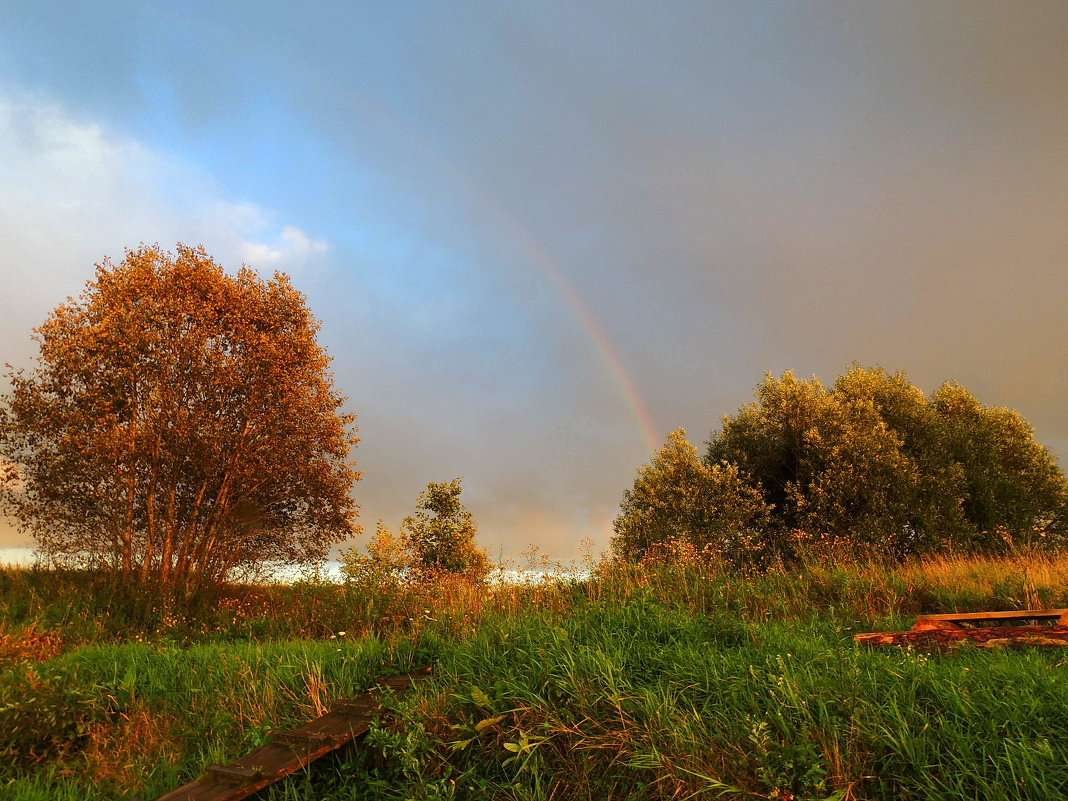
192	790
953	620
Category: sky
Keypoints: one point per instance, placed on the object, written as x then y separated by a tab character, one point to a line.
541	236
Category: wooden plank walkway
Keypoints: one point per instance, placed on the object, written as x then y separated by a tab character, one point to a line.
288	751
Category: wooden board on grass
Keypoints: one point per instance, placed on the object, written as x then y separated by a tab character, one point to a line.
289	751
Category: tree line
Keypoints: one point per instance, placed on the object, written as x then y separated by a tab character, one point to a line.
870	465
180	428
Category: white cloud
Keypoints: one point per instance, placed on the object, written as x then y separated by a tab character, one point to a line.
291	251
73	191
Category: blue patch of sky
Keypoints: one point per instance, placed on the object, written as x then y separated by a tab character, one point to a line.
265	155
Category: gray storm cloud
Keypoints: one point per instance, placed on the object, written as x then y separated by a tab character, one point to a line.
729	188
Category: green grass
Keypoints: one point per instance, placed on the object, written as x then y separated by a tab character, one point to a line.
668	681
639	701
115	712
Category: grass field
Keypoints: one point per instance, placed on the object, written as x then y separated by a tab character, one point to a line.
669	680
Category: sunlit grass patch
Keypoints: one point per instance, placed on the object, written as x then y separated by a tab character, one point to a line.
641	702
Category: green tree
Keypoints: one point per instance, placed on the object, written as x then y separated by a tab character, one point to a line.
680	497
869	464
383	566
874	462
928	487
440	536
830	463
180	426
1010	485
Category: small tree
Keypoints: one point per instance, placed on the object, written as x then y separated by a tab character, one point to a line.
440	536
383	566
180	426
1009	485
680	497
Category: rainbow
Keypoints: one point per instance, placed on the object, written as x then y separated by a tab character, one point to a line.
537	256
534	253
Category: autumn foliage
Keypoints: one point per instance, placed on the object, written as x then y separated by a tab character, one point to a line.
180	426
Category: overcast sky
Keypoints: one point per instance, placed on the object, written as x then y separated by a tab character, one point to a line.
540	236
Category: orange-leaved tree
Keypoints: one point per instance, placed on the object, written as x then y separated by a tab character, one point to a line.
180	426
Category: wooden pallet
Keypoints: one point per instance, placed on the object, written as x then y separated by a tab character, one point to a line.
288	751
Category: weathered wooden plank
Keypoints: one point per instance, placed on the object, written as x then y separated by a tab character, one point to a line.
1011	614
953	620
361	707
302	741
349	720
235	774
981	636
